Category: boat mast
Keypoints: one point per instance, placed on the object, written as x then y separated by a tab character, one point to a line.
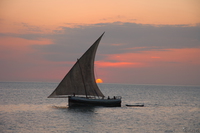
82	78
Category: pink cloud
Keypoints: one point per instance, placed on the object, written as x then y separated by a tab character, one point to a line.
116	64
167	56
22	42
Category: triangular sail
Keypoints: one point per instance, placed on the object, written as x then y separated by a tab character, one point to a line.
80	79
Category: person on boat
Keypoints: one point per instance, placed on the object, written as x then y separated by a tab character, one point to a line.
108	97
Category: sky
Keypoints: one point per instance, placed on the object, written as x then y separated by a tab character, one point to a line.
145	42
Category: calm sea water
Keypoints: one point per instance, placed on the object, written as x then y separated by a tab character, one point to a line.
25	108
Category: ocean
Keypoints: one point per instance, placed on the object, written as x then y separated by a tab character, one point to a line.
25	108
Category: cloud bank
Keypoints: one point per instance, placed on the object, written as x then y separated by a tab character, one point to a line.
143	50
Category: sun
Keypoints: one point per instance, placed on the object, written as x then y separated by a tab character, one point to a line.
99	81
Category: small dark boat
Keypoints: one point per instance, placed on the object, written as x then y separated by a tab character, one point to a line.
135	105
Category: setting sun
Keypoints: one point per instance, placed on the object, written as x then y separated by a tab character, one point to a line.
99	81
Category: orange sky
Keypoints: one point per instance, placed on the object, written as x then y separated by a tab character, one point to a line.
50	14
29	30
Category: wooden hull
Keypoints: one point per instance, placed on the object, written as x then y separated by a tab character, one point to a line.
82	101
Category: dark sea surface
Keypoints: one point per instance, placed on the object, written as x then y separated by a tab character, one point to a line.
25	108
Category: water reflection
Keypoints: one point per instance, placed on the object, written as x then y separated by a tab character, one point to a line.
82	109
76	109
59	107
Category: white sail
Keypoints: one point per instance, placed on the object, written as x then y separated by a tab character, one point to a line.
80	79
